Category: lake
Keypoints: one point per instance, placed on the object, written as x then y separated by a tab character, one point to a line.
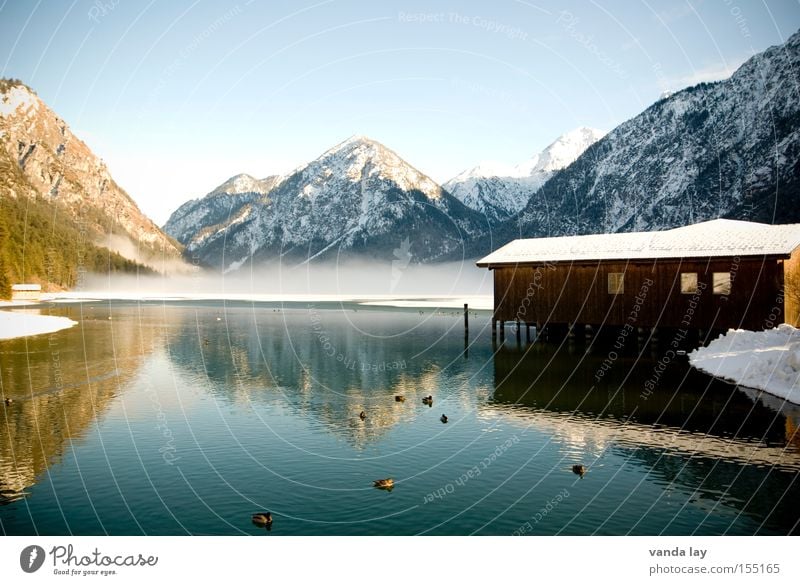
188	417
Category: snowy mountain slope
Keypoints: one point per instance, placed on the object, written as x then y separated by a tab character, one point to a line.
500	192
216	208
358	198
42	158
725	149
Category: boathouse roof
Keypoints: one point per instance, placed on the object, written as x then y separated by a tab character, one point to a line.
708	239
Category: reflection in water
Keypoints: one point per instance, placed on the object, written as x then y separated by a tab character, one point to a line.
332	373
190	418
692	430
60	384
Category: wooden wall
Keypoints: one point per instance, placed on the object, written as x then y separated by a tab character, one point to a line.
564	293
791	269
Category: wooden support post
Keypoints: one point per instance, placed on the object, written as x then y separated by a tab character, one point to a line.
527	332
502	330
494	328
519	332
466	317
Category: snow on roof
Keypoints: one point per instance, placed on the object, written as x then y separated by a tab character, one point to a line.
715	238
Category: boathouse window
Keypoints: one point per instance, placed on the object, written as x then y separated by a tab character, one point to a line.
616	283
722	283
688	283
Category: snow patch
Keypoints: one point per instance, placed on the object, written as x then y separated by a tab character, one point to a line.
15	98
764	360
25	323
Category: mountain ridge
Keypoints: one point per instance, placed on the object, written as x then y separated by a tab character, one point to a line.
501	191
352	198
730	149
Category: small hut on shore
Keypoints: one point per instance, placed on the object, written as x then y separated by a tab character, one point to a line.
711	275
26	292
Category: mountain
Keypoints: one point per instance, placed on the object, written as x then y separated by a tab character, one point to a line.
358	199
217	207
50	172
728	149
500	192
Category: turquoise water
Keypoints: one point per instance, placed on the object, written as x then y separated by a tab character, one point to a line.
186	418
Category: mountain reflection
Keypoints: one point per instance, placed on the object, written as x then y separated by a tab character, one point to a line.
60	384
320	365
284	386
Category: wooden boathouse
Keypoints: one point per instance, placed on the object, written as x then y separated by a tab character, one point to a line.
707	276
26	292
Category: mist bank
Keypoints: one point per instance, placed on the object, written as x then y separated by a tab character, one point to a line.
350	278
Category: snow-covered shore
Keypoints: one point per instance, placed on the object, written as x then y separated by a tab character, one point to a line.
765	360
23	323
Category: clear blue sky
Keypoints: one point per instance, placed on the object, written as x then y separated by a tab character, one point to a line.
178	96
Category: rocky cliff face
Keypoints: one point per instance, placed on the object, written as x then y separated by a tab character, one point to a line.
40	157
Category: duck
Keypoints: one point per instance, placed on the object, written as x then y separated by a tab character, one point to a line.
262	519
444	418
384	484
427	400
363	415
8	400
579	469
399	398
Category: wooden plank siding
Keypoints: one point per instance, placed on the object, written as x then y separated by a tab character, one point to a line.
567	293
791	268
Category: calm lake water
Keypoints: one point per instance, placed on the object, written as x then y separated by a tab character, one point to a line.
185	418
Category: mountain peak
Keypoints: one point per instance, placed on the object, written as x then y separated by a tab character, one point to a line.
359	158
353	143
560	153
241	183
15	95
499	190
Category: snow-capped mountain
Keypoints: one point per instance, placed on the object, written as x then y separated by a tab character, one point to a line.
358	198
725	149
42	159
217	207
500	191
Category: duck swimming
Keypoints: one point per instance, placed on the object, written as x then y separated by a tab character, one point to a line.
262	519
579	470
363	415
444	418
427	400
399	398
8	401
384	484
